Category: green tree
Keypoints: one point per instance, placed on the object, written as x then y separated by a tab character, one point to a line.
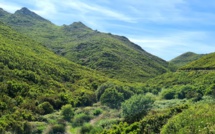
168	94
112	98
46	108
136	107
67	112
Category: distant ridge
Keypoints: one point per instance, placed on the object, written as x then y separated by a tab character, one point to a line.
113	55
185	58
206	62
3	13
27	13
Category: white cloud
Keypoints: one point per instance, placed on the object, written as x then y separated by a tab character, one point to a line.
101	11
10	7
163	27
170	46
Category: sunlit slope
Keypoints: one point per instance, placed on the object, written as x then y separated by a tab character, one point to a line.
185	59
113	55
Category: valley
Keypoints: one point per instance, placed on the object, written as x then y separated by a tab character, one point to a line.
72	79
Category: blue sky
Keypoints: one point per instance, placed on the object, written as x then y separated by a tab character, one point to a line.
165	28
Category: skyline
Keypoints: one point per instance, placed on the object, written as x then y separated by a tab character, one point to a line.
163	28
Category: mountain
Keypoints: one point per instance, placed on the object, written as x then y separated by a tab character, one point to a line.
185	58
206	62
113	55
34	81
3	13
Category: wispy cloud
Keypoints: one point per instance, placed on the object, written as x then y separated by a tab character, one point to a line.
170	46
9	6
163	27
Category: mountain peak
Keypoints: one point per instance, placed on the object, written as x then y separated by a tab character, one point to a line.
3	12
185	58
78	25
26	12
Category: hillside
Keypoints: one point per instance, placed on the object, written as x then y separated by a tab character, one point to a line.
34	81
185	58
206	62
46	93
186	100
197	74
37	84
113	55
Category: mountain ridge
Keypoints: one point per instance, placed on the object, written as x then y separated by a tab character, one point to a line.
185	58
206	62
111	54
28	13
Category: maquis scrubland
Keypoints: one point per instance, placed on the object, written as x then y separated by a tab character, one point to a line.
75	80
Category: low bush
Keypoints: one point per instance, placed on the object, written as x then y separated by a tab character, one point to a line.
97	111
45	108
80	119
86	128
57	129
197	119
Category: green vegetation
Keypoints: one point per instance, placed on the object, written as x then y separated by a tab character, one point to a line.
204	63
67	112
113	55
152	123
198	119
42	92
136	107
36	82
185	58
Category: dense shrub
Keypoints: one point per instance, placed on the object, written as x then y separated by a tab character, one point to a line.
182	92
197	119
67	112
96	130
85	97
80	119
125	90
86	128
168	94
112	98
45	108
97	111
101	89
57	129
136	107
150	124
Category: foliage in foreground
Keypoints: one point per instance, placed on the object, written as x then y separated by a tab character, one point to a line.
151	123
198	119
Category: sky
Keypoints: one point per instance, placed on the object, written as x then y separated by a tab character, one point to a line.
165	28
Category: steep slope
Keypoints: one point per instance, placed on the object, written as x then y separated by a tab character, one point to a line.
35	81
113	55
206	62
185	58
4	14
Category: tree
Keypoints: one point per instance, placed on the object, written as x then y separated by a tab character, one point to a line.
168	94
112	98
46	108
136	107
67	112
